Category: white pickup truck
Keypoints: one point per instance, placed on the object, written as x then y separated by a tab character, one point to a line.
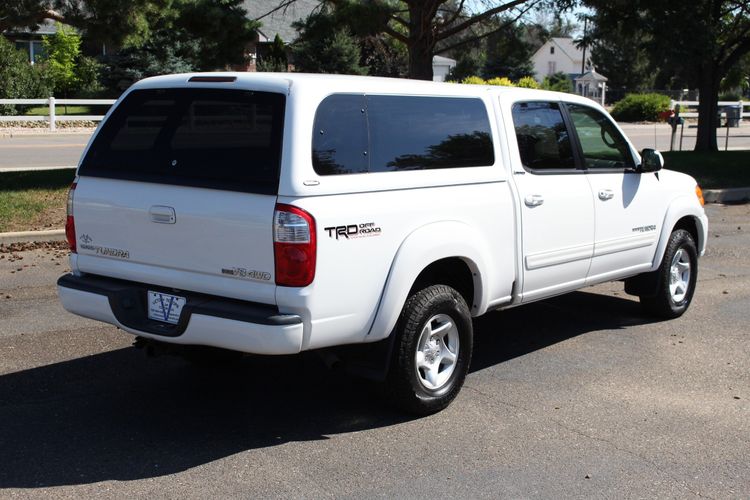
279	213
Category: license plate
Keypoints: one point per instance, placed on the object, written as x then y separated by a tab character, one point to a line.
165	307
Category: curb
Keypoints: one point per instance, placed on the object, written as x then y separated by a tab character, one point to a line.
32	236
730	195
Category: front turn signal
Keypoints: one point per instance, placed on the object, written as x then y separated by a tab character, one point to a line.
699	194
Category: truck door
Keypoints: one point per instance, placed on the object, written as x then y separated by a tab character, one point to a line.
629	206
556	204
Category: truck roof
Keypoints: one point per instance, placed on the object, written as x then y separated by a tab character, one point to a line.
327	83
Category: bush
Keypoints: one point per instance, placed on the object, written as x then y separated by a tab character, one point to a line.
558	82
18	78
527	82
474	80
502	82
640	107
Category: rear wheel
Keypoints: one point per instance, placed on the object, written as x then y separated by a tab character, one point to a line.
677	276
433	350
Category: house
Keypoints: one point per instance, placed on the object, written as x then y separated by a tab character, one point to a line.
558	55
31	41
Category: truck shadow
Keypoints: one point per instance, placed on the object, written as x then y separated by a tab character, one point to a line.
120	416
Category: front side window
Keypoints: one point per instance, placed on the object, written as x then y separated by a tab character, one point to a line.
603	146
542	136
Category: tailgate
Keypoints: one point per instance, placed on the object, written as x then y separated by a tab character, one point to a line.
178	189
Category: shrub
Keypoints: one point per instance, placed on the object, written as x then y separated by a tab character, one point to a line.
558	82
503	82
474	80
18	78
640	107
527	82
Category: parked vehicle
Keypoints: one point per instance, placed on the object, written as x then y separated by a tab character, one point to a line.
280	213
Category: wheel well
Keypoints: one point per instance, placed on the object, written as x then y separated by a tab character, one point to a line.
688	224
453	272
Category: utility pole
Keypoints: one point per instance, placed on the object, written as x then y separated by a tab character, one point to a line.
585	42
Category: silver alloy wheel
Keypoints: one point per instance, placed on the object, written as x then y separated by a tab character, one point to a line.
679	275
437	351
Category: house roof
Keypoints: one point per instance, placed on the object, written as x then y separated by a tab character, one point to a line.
278	21
46	27
443	61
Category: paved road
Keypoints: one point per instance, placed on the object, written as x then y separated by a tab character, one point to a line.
579	396
44	150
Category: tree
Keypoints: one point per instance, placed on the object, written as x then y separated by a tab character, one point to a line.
426	27
508	53
63	50
698	41
617	51
275	57
360	47
336	53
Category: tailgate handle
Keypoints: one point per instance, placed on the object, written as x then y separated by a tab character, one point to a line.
162	215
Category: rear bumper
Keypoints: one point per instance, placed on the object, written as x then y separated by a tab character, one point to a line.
205	320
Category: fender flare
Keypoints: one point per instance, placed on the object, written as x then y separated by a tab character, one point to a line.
683	206
425	245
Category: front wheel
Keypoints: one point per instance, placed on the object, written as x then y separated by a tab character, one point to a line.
677	277
433	350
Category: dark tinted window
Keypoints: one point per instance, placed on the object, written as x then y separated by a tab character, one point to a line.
411	133
355	134
542	137
602	144
340	135
226	139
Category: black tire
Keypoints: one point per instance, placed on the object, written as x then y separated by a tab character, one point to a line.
664	304
406	381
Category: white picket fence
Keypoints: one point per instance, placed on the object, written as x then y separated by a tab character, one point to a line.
694	105
52	116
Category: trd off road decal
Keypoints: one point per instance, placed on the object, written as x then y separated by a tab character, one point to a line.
351	231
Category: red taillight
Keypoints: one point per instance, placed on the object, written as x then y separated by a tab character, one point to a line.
294	246
70	228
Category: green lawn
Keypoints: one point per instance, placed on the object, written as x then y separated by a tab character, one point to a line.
724	169
33	200
62	110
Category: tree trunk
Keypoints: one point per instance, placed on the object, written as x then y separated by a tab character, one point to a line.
708	108
421	38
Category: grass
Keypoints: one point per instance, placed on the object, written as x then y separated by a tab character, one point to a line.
33	200
36	200
60	110
723	169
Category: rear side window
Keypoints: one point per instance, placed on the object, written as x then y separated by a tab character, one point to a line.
340	136
357	134
542	136
214	138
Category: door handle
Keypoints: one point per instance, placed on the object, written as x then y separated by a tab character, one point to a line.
606	194
162	214
533	200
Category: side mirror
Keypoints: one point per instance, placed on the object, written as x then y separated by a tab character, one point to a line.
651	161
